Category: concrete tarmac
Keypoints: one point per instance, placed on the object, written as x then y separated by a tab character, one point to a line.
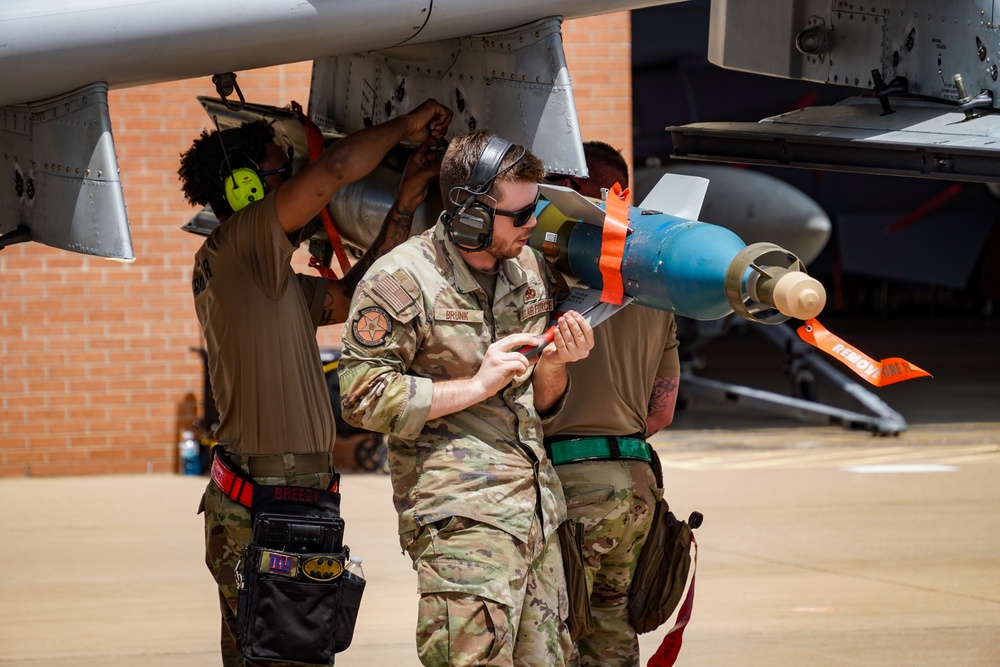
821	547
832	549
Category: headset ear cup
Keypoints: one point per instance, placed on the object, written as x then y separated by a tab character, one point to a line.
242	187
472	227
477	216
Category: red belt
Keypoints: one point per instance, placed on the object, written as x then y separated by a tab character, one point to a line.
237	486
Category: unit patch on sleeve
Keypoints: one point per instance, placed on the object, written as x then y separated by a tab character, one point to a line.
372	326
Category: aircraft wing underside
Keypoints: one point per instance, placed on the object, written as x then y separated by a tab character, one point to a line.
920	138
931	67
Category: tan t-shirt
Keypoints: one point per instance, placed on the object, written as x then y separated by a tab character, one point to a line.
259	319
609	390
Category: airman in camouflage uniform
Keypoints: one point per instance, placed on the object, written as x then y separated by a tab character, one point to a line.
430	357
259	317
614	402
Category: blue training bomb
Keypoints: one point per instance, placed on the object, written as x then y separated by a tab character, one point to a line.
690	268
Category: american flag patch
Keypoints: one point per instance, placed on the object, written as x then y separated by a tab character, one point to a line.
392	293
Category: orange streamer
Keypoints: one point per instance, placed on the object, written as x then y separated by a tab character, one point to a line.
879	373
613	244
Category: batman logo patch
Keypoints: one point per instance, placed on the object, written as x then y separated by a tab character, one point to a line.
321	568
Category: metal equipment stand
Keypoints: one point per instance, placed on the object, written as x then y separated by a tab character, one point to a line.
803	362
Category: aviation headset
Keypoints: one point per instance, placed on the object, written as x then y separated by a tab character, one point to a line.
470	227
242	185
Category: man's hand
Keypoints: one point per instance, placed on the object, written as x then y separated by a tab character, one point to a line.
572	340
500	365
422	167
503	363
429	121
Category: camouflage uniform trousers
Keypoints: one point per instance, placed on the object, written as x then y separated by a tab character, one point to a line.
614	500
487	598
227	529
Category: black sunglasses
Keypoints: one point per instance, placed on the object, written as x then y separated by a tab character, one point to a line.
522	215
285	171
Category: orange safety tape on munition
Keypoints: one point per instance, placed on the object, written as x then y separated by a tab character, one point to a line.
613	244
315	140
879	373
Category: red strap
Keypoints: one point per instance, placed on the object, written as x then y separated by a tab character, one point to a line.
325	271
315	140
670	647
231	484
239	488
613	244
925	208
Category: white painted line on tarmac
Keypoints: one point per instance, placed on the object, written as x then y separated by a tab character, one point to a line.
892	468
892	459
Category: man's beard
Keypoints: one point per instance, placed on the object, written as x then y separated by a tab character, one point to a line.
509	251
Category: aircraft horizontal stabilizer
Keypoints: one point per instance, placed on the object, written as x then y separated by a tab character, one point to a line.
59	157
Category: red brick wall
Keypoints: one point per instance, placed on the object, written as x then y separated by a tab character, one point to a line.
599	55
97	376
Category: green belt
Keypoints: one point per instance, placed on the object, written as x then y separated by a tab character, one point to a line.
598	448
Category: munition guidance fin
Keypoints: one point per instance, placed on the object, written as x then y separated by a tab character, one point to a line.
677	195
572	204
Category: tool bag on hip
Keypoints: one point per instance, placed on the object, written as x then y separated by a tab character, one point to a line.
296	602
664	563
581	620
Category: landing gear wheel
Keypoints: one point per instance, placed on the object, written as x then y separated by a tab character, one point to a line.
372	454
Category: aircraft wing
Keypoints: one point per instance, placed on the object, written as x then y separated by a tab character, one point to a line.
58	60
931	67
921	138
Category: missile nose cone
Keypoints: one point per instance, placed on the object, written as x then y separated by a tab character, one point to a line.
799	295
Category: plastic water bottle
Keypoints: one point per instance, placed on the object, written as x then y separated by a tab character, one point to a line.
189	454
354	567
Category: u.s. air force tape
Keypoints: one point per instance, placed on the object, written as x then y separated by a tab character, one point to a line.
321	567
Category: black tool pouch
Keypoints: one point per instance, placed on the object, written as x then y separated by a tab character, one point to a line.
661	572
581	619
296	603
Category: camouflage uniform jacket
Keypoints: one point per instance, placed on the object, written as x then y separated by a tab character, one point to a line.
419	316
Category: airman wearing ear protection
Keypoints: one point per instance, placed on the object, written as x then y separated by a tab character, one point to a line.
431	358
598	442
259	317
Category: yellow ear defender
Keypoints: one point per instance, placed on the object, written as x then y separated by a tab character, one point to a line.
242	187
